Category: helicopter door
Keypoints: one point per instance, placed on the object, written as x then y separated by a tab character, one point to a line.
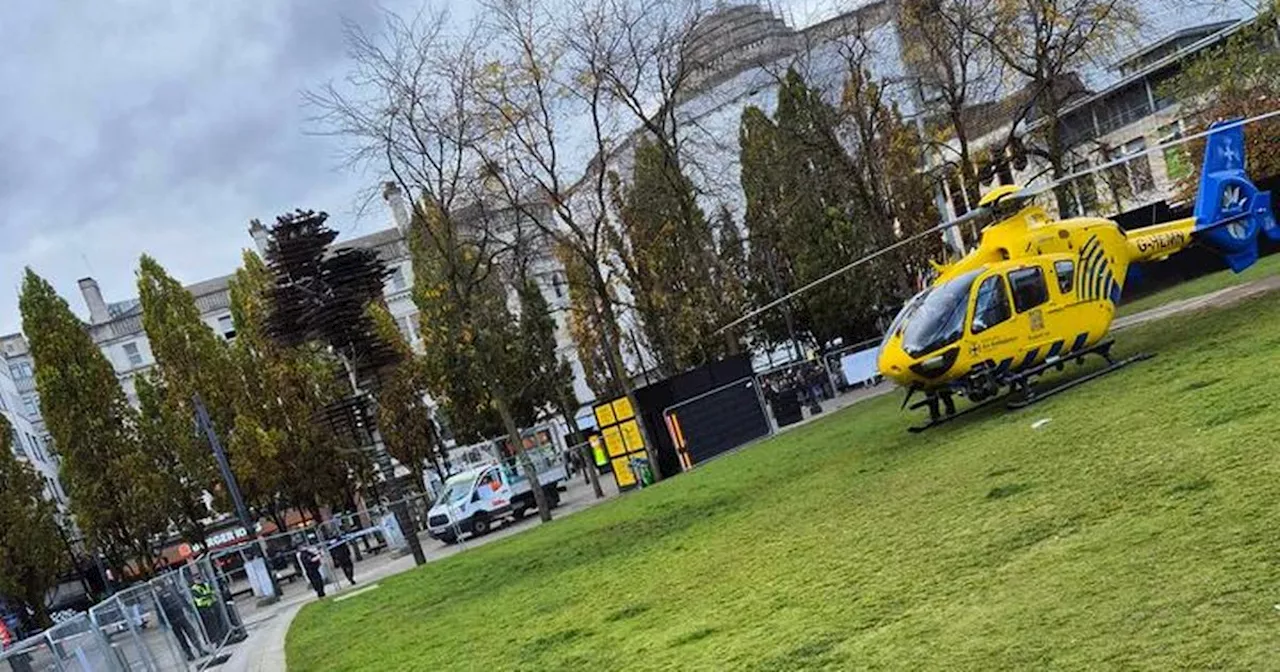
994	333
1030	291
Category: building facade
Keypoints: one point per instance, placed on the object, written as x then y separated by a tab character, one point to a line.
20	406
1124	118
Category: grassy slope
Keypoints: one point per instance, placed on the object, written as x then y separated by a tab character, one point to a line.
1266	266
1135	529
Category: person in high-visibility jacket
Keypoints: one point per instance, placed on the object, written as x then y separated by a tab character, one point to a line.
204	597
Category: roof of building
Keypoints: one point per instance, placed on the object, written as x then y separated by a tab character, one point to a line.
983	118
388	235
1211	38
1202	30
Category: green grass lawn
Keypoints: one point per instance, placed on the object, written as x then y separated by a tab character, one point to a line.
1266	266
1135	530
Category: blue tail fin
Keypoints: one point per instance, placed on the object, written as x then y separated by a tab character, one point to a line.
1230	210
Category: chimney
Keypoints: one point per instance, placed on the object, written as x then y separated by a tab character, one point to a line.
395	201
93	299
260	236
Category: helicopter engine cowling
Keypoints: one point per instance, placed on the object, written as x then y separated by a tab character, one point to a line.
1230	211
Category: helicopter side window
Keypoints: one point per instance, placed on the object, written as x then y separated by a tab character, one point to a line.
1029	289
1066	272
991	307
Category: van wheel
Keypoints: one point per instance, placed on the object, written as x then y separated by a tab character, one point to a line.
553	496
449	538
519	511
479	525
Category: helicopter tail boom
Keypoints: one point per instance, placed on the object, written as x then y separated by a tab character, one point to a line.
1230	211
1153	243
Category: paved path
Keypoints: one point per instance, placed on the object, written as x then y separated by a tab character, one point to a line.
1218	299
263	651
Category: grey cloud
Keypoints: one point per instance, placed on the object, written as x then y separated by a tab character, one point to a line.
159	127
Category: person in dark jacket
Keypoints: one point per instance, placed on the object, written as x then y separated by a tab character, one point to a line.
310	559
341	554
176	614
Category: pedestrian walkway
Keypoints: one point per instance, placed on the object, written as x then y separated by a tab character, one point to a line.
267	626
1219	299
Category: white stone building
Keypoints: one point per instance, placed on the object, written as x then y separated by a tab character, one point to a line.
20	406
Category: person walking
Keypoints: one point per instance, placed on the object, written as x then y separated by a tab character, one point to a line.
176	614
309	559
341	554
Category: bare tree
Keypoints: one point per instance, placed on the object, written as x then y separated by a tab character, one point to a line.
541	98
1047	43
406	109
955	69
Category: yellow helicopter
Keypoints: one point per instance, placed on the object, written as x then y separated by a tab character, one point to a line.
1038	292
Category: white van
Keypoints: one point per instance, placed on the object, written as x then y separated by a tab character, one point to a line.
473	500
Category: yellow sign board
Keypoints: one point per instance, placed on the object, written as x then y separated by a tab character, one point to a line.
622	409
620	439
622	472
631	435
613	441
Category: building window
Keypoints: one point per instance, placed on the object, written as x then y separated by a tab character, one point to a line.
18	449
131	351
1176	163
405	323
227	327
30	406
1076	127
1079	196
397	281
35	448
1160	89
1132	177
959	202
20	371
1124	107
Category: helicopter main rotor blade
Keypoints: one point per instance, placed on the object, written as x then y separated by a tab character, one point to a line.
969	216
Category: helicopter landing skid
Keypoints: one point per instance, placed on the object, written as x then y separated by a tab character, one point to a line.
1021	394
1031	396
943	419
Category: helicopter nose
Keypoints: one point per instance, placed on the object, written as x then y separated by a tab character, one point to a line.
895	364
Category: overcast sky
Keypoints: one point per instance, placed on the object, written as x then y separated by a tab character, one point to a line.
131	126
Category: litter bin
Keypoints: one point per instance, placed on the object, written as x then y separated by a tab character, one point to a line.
643	473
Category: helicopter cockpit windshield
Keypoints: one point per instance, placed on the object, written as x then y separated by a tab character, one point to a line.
935	317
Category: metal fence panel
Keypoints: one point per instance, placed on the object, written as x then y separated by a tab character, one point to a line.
716	421
179	615
33	653
80	647
121	623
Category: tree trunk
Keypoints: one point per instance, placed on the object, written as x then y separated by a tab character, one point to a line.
575	435
433	450
526	465
278	517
